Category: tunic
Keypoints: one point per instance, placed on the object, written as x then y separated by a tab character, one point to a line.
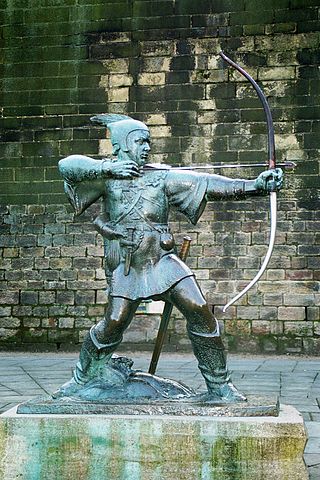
143	204
139	208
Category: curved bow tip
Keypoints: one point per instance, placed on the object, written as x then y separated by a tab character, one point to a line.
273	228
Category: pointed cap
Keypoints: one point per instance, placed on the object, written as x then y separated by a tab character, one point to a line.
120	126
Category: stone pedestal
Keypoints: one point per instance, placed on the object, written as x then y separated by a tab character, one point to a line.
152	447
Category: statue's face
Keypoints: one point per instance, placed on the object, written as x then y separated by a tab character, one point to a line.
138	144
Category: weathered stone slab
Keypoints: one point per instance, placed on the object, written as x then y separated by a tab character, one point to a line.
144	447
195	406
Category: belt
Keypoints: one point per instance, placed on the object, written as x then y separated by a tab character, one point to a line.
158	227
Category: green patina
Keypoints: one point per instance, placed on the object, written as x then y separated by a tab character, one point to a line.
91	447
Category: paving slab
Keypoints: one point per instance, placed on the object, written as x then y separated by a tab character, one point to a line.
313	429
313	445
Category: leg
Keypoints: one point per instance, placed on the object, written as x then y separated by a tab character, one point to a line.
119	314
103	339
204	333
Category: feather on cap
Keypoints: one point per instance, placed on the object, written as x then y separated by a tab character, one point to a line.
105	118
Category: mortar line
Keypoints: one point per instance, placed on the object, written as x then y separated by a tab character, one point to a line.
10	388
280	383
35	381
259	367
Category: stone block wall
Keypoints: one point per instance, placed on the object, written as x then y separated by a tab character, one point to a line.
158	61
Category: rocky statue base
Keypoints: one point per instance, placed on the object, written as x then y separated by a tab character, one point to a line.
152	447
121	390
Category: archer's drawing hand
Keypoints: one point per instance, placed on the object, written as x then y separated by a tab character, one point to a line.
120	236
121	169
270	180
109	232
105	230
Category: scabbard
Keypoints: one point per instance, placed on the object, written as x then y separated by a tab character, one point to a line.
128	259
166	314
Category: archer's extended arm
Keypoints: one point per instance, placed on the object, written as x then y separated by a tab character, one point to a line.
222	187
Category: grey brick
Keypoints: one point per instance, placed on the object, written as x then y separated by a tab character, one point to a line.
9	297
29	298
66	322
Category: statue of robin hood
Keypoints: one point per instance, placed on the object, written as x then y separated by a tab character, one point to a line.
140	254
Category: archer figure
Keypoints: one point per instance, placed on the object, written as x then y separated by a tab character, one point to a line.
140	255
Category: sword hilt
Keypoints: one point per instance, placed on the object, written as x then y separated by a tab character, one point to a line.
185	247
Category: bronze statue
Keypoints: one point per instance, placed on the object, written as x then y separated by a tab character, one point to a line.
140	254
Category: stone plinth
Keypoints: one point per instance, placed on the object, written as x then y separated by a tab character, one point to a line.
144	447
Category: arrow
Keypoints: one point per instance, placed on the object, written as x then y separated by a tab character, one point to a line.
159	166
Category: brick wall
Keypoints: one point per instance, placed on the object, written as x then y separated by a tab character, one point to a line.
158	61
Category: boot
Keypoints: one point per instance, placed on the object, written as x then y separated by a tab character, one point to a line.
209	351
93	365
93	358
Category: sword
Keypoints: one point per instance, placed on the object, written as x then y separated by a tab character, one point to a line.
166	314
